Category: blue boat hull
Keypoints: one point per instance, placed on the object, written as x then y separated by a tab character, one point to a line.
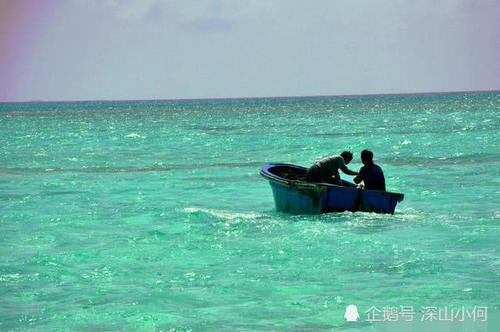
292	194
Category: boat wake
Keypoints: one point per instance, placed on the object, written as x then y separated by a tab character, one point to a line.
223	214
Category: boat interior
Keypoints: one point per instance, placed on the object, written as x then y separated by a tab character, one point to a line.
289	173
297	173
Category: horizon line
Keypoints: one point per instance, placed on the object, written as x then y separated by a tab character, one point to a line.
247	98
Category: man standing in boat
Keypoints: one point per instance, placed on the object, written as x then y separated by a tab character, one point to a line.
327	169
371	174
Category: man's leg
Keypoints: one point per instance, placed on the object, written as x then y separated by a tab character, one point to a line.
313	174
335	180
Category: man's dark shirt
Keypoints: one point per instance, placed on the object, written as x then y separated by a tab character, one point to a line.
373	177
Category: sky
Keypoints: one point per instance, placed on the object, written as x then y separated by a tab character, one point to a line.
177	49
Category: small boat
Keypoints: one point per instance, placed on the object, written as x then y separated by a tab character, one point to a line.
293	194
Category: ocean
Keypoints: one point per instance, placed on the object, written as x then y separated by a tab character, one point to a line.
152	216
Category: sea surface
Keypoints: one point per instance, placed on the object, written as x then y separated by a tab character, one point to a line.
152	216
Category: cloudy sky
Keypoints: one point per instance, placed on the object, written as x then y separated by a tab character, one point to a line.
168	49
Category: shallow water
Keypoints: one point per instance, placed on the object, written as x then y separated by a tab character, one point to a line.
152	215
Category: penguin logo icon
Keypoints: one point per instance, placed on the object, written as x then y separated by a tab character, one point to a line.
351	313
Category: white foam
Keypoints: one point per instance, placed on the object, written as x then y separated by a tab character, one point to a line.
135	135
228	215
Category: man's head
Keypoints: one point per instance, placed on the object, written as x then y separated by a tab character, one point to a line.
347	157
366	157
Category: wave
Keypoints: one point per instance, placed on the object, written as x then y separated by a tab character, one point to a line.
34	170
134	135
45	170
223	214
466	159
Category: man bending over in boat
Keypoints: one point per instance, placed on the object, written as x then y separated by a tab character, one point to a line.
371	174
327	169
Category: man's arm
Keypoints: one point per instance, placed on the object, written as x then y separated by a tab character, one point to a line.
346	170
360	176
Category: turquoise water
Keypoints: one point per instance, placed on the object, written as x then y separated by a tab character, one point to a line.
152	215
